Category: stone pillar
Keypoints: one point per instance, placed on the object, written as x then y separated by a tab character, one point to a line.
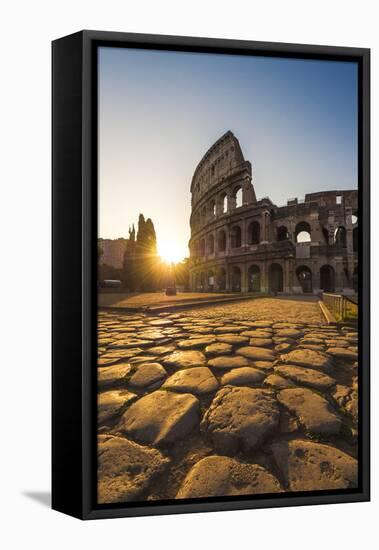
248	193
243	234
331	228
244	280
227	278
315	229
349	249
339	275
287	278
228	249
218	206
265	222
264	277
291	230
231	203
316	277
349	230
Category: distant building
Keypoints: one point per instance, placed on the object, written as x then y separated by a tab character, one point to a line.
113	252
240	244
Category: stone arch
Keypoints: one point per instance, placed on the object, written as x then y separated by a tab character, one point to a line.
304	276
254	233
238	197
202	247
254	278
340	236
203	281
236	278
211	244
221	279
211	280
282	233
236	236
198	220
195	222
275	278
204	215
197	281
223	203
221	241
325	234
212	209
327	278
303	232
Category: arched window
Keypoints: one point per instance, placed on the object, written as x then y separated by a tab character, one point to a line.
202	247
211	280
212	209
238	197
304	276
204	215
325	234
254	278
198	220
203	281
197	281
254	233
327	278
236	279
340	236
211	244
281	233
303	232
275	278
224	203
221	279
236	236
221	241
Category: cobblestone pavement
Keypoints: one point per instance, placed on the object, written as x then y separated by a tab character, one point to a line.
247	398
286	309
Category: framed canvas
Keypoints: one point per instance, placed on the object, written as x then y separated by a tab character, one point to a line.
210	274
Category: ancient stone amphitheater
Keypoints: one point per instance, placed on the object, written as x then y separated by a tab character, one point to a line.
242	244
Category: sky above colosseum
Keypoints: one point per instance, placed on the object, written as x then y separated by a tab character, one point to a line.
159	112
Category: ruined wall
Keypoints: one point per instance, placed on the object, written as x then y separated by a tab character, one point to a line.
241	244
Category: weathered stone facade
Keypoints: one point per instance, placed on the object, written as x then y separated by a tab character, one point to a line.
113	251
242	244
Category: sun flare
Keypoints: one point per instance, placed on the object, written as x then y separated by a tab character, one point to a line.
170	252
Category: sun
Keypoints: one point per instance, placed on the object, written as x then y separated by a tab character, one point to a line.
170	252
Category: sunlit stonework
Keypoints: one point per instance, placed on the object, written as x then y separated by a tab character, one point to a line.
242	244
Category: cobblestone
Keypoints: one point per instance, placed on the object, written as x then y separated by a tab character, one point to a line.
235	379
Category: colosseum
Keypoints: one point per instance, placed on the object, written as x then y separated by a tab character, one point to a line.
241	244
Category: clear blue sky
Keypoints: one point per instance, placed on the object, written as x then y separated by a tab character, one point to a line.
159	112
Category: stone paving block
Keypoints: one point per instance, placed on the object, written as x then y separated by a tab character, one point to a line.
216	476
161	417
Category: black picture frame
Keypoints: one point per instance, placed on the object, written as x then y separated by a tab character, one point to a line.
74	295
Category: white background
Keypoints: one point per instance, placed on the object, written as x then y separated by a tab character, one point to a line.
26	31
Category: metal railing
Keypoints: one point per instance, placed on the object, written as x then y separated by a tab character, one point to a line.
344	308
